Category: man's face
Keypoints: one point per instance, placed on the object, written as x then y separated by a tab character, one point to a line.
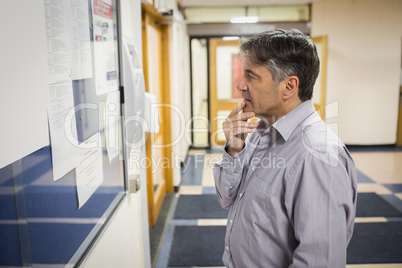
261	95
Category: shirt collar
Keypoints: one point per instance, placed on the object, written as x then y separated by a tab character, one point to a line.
288	123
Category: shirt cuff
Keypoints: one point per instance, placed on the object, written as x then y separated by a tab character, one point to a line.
231	164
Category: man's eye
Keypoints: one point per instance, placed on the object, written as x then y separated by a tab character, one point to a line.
250	76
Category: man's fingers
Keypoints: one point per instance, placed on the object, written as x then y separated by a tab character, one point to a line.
242	116
236	127
229	124
241	130
233	124
237	109
239	126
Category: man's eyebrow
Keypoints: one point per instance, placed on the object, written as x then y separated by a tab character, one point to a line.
251	72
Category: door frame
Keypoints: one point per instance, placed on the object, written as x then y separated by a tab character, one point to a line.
399	131
192	93
320	107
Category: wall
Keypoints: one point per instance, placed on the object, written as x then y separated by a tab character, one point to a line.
364	53
121	244
125	241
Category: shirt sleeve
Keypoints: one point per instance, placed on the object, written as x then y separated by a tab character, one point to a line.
321	207
227	174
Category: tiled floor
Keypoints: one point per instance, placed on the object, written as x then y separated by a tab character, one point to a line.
379	172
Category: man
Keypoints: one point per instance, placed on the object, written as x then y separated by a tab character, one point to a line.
291	186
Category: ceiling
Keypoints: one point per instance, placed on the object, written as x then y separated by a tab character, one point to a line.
215	3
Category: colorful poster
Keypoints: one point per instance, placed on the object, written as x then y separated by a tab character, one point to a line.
104	47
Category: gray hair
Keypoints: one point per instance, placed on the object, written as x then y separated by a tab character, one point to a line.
285	53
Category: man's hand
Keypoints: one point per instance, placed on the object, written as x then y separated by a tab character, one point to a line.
236	128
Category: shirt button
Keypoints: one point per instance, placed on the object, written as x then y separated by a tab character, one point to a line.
252	169
241	194
227	248
231	163
231	221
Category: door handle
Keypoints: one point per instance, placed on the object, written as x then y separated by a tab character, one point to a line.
134	183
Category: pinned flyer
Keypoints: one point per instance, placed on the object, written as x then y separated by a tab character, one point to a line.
63	129
111	122
89	172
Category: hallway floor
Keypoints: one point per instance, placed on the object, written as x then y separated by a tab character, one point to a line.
379	175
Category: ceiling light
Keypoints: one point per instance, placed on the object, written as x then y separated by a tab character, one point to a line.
229	38
248	19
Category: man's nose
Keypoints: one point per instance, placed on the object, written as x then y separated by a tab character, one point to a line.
241	85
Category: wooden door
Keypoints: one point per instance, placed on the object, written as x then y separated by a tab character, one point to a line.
225	70
156	72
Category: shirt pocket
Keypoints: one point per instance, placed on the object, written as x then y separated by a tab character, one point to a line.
258	200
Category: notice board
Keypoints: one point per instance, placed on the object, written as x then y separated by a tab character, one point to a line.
49	217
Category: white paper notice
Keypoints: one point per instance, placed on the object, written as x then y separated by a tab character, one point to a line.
104	46
82	60
24	93
111	117
89	172
58	40
65	151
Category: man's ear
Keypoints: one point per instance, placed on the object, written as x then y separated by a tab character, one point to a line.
291	84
